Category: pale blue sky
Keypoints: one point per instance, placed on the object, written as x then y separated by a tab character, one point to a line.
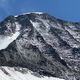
63	9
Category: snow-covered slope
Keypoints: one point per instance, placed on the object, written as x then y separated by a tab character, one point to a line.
17	73
6	40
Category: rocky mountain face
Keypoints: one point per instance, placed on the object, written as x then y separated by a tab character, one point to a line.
41	43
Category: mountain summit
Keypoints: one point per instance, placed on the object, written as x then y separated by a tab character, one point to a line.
41	43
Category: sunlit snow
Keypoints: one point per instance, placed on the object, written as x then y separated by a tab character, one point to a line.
17	75
6	40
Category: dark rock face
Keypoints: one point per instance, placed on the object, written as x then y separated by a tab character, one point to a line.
46	45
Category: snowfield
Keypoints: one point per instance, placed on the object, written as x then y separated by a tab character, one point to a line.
8	73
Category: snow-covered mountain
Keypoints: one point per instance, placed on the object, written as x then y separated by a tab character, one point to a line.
41	44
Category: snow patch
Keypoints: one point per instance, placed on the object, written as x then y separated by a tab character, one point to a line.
6	40
33	12
17	75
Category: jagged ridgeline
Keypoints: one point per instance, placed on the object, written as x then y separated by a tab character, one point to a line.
41	43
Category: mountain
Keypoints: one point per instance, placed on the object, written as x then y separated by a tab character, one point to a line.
39	43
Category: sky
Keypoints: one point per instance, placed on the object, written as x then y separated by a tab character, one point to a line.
63	9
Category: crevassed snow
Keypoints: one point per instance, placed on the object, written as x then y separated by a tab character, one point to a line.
6	40
17	75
